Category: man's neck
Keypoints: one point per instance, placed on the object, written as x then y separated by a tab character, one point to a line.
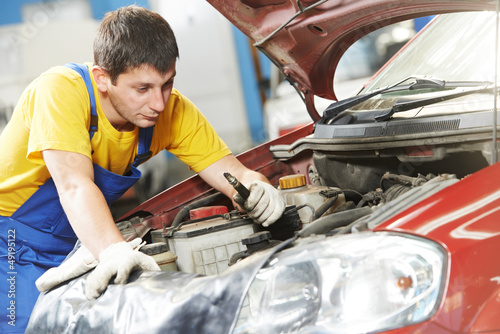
114	118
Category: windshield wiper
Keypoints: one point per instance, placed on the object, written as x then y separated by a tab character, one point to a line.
420	82
409	105
335	108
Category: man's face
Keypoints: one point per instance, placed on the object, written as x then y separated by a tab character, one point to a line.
138	97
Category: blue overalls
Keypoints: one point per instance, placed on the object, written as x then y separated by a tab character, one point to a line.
38	235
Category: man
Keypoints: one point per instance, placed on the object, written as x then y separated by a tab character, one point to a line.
73	145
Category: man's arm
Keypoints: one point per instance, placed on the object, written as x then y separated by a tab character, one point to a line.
82	201
91	219
265	205
214	175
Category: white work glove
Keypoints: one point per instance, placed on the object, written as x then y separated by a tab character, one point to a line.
264	205
77	264
118	260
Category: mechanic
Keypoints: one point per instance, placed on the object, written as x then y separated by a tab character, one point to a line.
73	145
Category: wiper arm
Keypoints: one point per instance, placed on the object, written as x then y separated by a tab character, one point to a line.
405	106
335	108
420	82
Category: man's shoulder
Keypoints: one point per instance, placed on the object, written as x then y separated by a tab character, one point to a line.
60	73
179	102
59	80
176	95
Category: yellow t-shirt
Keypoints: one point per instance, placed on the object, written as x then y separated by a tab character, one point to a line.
54	113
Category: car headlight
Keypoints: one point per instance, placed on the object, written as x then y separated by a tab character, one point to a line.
364	282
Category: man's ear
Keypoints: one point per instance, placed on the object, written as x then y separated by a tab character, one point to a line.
101	78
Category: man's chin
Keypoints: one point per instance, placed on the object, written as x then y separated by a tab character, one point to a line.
146	123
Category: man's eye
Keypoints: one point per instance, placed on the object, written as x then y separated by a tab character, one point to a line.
142	89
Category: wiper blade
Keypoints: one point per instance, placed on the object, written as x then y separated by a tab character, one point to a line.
420	82
409	105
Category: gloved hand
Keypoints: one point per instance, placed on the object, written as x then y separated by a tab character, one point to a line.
117	260
77	264
264	205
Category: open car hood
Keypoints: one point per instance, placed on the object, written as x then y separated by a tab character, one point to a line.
307	38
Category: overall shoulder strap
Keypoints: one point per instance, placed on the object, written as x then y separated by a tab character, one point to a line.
144	153
83	70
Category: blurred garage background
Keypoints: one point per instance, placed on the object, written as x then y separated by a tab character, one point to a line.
238	89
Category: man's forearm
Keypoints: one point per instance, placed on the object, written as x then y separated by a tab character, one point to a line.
90	217
81	199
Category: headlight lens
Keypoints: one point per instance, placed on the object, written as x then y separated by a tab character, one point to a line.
363	282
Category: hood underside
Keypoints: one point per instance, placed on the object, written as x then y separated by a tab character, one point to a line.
307	38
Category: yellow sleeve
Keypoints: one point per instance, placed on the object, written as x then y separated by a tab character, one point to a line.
189	135
57	112
52	113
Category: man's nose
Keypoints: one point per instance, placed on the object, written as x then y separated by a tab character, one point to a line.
158	100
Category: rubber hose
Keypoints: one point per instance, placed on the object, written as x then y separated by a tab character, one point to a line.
324	207
193	205
335	220
352	195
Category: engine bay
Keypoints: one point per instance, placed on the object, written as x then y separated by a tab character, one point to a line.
206	238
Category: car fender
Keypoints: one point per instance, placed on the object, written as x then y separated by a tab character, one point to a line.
487	318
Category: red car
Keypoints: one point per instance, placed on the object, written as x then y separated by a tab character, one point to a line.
393	218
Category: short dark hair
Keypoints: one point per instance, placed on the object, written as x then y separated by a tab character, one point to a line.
131	37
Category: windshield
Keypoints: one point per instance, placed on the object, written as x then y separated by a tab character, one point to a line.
457	47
